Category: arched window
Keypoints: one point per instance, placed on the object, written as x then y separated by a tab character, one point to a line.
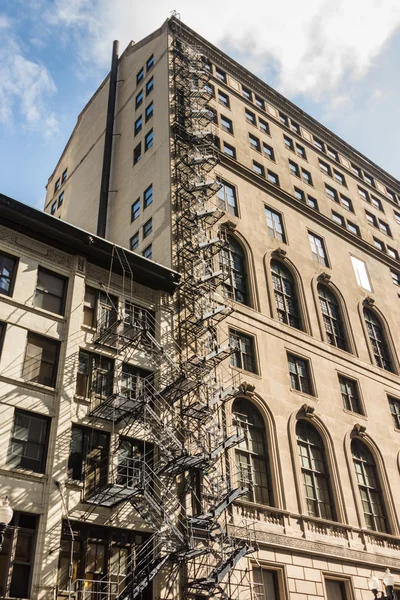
233	259
287	304
317	489
332	317
368	484
378	340
252	460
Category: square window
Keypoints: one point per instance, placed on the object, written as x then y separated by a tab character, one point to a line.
29	442
356	171
254	143
244	355
259	169
148	140
226	124
250	116
384	227
134	241
41	358
301	151
210	89
138	125
318	249
376	203
372	220
294	168
331	193
353	228
299	194
350	394
338	219
246	93
259	102
395	277
149	111
273	177
220	74
264	126
346	203
288	143
295	127
325	168
223	98
332	153
140	76
312	202
363	194
64	175
379	245
149	86
319	144
393	252
299	372
8	271
394	404
148	252
50	291
283	119
137	153
139	99
150	62
339	177
60	199
306	175
268	151
370	180
275	224
392	195
227	194
148	196
229	150
147	228
135	210
53	207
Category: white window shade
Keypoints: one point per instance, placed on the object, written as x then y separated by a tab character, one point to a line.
361	273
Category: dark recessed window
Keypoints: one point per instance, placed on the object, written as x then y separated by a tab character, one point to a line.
147	228
41	358
60	199
376	203
285	294
377	338
346	203
244	355
148	140
264	126
50	291
140	76
273	177
150	62
332	317
331	193
57	185
338	219
301	151
139	99
384	227
372	220
395	277
325	168
283	119
148	252
319	144
53	207
332	153
356	171
226	124
259	102
135	210
149	111
392	252
394	404
295	127
339	177
229	150
391	195
250	116
137	153
254	142
95	376
148	196
85	444
220	74
246	93
64	175
299	372
223	98
227	194
134	241
138	124
294	168
288	143
274	224
299	194
210	89
370	180
259	169
306	176
318	249
149	86
364	195
350	394
29	441
379	245
312	202
353	228
268	151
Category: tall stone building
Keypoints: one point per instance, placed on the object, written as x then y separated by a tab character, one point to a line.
286	398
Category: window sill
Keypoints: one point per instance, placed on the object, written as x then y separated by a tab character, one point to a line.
356	414
81	400
33	309
250	373
48	313
23	474
29	385
304	395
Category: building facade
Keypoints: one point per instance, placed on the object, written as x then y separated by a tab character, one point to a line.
286	239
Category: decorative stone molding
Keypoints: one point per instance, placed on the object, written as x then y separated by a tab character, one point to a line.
280	252
30	245
324	277
359	430
369	301
246	388
307	410
229	225
81	265
101	276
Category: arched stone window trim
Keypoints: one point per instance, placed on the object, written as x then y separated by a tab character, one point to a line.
325	280
358	432
307	413
252	288
272	445
369	304
280	255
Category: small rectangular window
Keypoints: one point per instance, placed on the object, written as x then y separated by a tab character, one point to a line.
268	151
361	273
306	176
87	443
391	195
370	180
227	194
379	245
138	125
393	252
295	127
294	168
148	252
274	224
353	228
64	175
283	119
339	177
394	404
250	116
312	202
318	249
140	76
57	185
332	153
258	168
89	307
372	220
259	102
134	241
147	228
264	126
338	219
148	140
254	142
210	89
139	99
137	153
149	111
229	150
300	195
53	207
149	86
325	168
350	394
265	584
346	203
135	210
29	441
376	203
246	93
148	196
384	227
273	177
331	193
299	372
363	194
41	358
220	74
356	171
8	271
244	354
50	291
226	124
288	143
60	199
150	62
223	98
397	216
335	589
319	144
395	277
300	150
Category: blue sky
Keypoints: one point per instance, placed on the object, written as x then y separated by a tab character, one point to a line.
337	59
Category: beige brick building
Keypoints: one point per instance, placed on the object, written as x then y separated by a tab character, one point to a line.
287	242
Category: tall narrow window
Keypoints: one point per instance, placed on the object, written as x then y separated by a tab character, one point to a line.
285	295
394	404
232	259
29	439
350	394
335	589
265	584
88	457
317	489
300	374
95	376
318	249
369	487
8	269
50	291
227	193
17	556
274	224
41	358
252	460
244	356
378	340
332	317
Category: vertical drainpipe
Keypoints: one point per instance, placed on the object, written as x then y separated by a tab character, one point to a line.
108	141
